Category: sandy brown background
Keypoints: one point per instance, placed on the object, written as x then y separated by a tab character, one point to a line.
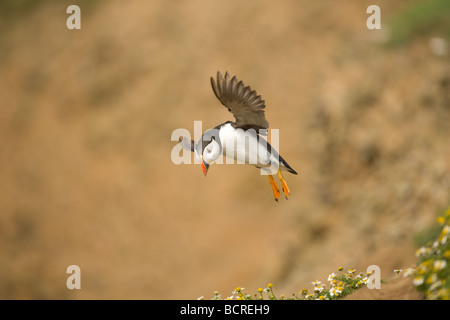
86	118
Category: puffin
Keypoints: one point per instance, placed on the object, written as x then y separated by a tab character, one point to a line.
241	140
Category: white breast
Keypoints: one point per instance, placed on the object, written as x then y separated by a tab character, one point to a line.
244	147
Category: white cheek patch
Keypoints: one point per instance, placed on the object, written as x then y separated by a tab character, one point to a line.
211	152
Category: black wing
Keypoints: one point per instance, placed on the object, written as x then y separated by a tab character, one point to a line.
243	102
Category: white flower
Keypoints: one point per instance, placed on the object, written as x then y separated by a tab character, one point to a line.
331	276
200	298
418	281
237	290
319	288
432	278
439	264
422	251
408	272
333	291
435	285
446	229
309	296
316	283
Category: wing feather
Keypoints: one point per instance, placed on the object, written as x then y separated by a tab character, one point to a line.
243	102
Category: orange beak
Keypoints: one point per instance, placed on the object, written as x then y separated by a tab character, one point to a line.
204	168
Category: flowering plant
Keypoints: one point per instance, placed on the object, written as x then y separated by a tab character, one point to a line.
432	275
339	285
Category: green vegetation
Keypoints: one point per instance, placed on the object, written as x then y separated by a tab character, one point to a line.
10	9
339	285
432	275
14	8
419	19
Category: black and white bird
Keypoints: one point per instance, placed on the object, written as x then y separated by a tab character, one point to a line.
241	140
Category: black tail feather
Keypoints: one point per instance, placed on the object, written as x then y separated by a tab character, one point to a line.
287	166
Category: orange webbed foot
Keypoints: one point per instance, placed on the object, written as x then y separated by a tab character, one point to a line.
276	191
286	190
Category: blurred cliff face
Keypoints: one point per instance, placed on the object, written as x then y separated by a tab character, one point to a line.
87	115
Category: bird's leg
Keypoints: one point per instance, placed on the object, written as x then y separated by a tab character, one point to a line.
286	190
276	191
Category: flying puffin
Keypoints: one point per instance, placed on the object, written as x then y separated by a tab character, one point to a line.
241	140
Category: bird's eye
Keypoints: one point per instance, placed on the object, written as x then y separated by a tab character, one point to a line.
209	150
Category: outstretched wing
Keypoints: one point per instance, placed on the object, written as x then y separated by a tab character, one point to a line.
243	102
